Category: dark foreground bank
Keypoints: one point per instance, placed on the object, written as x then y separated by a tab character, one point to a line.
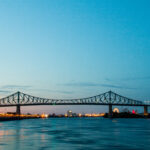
126	115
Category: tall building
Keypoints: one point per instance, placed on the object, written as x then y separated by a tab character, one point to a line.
69	113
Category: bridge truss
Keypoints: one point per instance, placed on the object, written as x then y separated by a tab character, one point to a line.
108	98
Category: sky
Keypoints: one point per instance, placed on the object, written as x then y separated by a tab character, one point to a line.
74	49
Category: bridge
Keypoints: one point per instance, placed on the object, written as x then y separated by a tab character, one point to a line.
109	98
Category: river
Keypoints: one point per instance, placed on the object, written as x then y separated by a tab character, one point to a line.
75	134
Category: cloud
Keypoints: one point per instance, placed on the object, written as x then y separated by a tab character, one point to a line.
26	87
129	79
55	91
4	91
136	78
15	86
81	84
65	92
91	84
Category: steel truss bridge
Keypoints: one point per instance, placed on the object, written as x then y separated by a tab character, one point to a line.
109	98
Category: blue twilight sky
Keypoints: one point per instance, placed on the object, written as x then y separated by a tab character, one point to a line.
75	48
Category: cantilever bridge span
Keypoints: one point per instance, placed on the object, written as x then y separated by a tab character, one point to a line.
109	98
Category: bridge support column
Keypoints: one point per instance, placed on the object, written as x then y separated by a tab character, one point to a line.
18	111
110	110
145	110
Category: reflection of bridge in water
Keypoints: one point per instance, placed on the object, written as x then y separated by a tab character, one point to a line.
110	98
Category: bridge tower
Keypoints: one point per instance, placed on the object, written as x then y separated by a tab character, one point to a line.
110	105
110	110
18	111
145	110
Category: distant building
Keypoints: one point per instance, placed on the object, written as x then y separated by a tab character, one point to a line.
74	115
69	113
125	110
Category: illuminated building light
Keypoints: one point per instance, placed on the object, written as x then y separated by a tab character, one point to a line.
44	116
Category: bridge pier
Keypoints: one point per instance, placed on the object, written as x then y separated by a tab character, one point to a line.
110	110
18	111
145	110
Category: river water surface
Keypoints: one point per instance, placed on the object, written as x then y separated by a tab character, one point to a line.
75	134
